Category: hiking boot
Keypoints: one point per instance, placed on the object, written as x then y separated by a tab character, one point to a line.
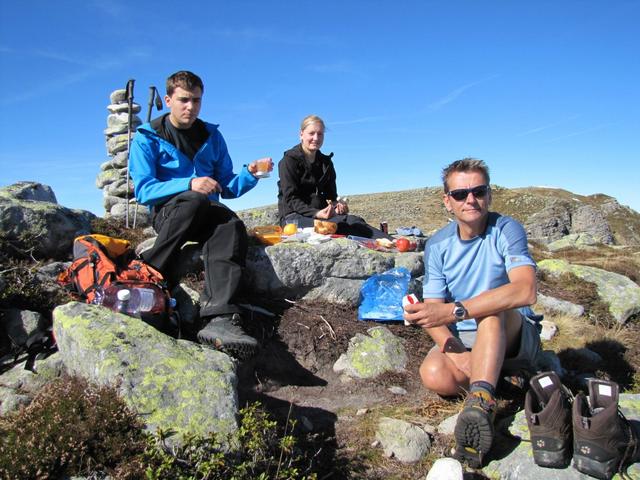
548	411
474	428
604	441
225	333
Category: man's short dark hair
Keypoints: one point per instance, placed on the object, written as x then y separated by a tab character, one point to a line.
467	164
184	79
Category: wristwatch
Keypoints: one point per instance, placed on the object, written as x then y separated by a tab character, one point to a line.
459	312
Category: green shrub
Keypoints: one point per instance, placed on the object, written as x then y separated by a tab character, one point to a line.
71	427
260	452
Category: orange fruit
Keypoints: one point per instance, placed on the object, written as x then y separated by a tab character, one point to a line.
290	229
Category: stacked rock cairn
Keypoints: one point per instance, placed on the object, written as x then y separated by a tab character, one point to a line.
117	189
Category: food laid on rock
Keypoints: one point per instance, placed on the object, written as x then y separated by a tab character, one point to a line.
324	227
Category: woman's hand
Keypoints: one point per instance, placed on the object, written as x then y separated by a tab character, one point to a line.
341	208
326	212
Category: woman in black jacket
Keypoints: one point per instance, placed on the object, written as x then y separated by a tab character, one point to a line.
307	186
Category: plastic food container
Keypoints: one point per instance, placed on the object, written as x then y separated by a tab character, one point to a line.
268	234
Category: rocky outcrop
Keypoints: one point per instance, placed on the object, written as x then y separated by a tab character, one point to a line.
621	294
30	221
175	385
586	223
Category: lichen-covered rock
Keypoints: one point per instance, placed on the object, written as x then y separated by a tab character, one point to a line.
573	240
370	355
30	191
106	177
174	384
402	440
117	144
519	464
622	294
590	220
259	216
44	228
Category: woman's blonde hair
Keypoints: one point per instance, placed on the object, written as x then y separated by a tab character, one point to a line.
309	119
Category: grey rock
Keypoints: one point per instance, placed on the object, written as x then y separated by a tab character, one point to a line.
120	160
573	240
120	188
122	119
255	217
106	177
448	425
108	201
555	305
622	294
177	385
19	386
549	330
117	144
370	355
123	107
397	390
519	464
337	290
590	220
30	191
118	96
19	325
551	223
139	212
406	442
45	228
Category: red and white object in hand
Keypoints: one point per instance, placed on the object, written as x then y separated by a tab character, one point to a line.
409	300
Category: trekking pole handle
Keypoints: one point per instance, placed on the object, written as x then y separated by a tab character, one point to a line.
152	94
129	89
158	99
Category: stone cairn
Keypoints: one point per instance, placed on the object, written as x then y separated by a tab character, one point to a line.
112	179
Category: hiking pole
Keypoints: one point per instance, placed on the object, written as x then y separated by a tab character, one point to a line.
153	95
129	89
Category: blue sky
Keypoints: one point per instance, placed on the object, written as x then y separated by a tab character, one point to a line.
545	92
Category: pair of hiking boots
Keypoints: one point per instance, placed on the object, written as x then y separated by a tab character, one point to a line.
225	333
604	441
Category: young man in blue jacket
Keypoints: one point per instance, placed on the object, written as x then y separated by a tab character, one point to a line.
180	168
478	275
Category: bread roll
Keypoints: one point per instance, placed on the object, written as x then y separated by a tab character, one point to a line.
325	228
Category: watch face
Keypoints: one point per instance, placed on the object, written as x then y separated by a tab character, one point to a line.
458	312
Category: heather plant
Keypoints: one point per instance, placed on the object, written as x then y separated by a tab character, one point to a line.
71	427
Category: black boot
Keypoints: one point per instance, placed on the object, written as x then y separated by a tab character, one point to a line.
226	334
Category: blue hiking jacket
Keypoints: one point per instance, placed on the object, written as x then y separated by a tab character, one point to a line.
159	170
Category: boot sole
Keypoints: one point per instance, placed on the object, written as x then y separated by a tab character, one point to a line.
474	437
241	351
594	468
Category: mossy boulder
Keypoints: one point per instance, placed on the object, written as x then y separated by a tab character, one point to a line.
371	355
619	292
175	385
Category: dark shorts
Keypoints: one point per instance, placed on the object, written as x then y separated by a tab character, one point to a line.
528	353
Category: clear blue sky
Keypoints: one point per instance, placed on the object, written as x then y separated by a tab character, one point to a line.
546	92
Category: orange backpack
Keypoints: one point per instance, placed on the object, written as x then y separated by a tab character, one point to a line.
99	261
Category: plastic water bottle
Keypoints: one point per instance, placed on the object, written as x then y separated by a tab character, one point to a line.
134	300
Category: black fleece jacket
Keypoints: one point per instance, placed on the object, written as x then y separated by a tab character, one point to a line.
304	188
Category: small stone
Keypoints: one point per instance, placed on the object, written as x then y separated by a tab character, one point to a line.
549	330
362	411
446	469
375	443
397	390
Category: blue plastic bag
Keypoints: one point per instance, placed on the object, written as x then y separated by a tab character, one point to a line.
381	295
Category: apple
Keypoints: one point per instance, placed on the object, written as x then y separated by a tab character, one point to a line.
403	244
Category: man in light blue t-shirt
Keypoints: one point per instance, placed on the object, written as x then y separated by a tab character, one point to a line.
478	273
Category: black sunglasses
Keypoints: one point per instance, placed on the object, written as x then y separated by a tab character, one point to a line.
461	194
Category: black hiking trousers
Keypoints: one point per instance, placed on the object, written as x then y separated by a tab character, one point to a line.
191	216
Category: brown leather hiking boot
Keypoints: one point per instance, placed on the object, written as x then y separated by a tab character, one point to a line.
548	411
604	441
474	428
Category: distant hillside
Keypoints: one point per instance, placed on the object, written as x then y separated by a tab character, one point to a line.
532	206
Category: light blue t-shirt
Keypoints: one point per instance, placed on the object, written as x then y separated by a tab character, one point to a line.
457	270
